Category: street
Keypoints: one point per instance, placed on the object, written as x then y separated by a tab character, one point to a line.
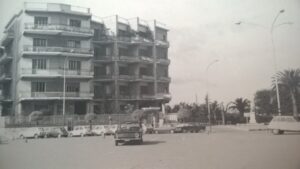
222	149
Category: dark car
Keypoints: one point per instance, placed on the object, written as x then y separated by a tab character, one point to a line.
56	132
129	132
189	127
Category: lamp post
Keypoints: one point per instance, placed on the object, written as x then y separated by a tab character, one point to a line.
273	26
208	106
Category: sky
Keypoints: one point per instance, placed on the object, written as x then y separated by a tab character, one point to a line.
202	31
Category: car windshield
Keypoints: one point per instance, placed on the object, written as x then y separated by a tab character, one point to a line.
129	127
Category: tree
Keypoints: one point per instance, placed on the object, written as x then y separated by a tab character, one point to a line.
290	81
264	102
184	114
242	105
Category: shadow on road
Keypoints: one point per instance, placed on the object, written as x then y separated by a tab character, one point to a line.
145	143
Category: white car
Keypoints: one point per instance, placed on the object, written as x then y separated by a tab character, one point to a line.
280	124
110	129
32	132
99	130
78	131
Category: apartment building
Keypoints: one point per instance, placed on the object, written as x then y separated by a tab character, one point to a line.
130	64
58	58
45	47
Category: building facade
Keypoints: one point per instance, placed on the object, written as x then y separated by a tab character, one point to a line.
59	59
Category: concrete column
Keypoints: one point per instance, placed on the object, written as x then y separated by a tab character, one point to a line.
116	70
155	59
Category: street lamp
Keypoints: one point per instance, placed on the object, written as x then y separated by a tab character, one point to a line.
273	26
208	106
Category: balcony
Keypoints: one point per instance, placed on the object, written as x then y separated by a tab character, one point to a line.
5	77
129	58
5	58
164	96
55	7
163	61
142	40
104	59
164	79
147	96
104	78
52	29
48	73
128	77
162	43
147	77
55	95
8	37
127	97
146	59
53	50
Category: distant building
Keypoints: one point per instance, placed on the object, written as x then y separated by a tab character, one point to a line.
104	63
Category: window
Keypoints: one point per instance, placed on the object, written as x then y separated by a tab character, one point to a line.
39	64
74	65
39	42
73	44
40	20
38	86
75	23
73	87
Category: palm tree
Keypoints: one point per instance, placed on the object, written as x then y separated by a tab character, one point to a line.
290	80
242	105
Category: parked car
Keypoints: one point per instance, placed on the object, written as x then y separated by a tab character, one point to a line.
78	131
280	124
166	128
189	127
129	132
110	129
32	132
56	132
99	130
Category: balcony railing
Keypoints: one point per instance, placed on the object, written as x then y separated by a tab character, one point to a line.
147	96
5	76
45	49
147	77
104	77
7	37
163	61
5	57
164	78
129	58
53	27
55	7
146	59
57	72
50	94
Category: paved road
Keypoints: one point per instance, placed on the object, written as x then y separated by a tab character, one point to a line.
223	149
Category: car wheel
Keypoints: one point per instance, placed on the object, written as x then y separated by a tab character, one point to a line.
184	131
35	136
171	131
281	131
45	136
81	135
156	132
70	135
116	143
59	136
21	136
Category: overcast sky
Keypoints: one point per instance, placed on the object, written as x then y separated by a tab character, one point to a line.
202	31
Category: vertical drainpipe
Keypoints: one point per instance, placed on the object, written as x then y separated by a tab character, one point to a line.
116	69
